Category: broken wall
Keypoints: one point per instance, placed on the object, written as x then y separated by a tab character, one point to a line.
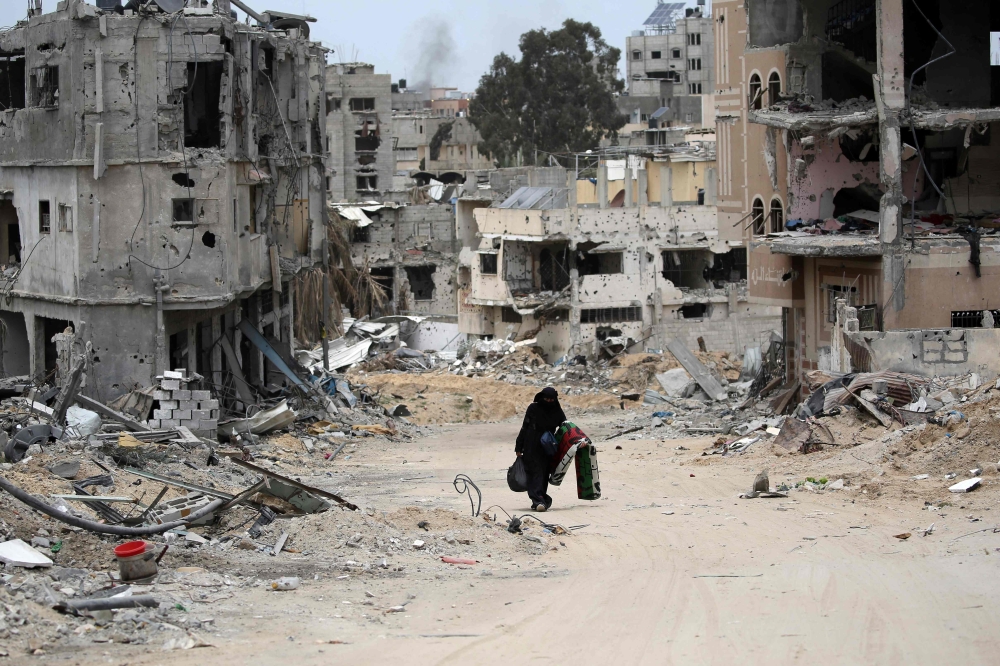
935	353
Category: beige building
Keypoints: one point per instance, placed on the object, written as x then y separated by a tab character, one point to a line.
611	265
848	184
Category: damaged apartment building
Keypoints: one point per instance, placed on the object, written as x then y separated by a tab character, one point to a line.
161	177
858	159
626	256
359	133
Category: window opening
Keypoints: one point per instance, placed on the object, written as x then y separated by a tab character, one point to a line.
777	216
488	264
601	263
610	315
694	311
183	210
12	80
202	117
656	55
755	92
367	183
65	217
510	316
757	216
421	280
44	217
773	88
45	86
362	104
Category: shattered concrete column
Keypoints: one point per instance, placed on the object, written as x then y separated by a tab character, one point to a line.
666	185
890	100
643	187
602	186
711	187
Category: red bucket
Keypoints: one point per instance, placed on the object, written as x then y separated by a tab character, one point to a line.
130	549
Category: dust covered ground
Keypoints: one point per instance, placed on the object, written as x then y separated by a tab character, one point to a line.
670	566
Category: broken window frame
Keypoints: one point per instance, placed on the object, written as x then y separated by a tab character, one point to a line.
509	315
757	217
834	292
600	263
44	216
45	95
610	315
65	217
754	92
773	88
15	85
359	104
776	216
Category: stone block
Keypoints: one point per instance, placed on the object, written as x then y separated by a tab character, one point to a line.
162	395
182	394
210	424
169	423
191	424
187	404
170	384
168	404
182	414
201	414
208	404
163	414
153	423
201	395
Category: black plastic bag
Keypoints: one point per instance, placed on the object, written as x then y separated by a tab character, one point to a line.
517	476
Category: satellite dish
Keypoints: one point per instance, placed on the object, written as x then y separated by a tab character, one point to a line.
170	6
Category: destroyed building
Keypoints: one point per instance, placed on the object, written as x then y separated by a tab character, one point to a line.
411	252
856	156
162	182
609	259
670	67
359	132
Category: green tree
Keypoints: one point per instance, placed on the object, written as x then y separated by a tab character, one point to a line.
558	98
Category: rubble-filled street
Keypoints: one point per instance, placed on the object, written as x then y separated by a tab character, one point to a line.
856	548
619	333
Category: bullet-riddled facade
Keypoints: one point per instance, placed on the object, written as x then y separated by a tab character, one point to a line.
860	169
161	178
618	264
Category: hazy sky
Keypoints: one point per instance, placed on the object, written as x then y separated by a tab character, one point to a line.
458	40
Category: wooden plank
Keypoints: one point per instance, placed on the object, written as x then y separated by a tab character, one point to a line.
780	402
234	367
107	412
869	407
695	368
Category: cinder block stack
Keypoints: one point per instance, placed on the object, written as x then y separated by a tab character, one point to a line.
179	406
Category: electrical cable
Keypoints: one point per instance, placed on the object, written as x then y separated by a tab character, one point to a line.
10	285
102	528
466	482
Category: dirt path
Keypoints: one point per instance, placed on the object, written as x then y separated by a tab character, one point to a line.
813	578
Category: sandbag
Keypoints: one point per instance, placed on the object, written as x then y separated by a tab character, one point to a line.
588	481
83	421
517	476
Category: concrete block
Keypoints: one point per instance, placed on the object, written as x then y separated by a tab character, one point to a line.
153	423
187	404
162	395
163	414
182	394
193	424
169	423
208	404
210	424
201	414
170	384
201	395
182	414
168	404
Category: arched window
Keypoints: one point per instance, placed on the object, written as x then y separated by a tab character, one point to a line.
757	215
777	216
773	88
755	92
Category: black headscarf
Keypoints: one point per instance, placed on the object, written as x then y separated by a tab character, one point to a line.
540	417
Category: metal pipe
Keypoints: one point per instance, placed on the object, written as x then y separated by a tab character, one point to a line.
260	18
109	603
101	528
